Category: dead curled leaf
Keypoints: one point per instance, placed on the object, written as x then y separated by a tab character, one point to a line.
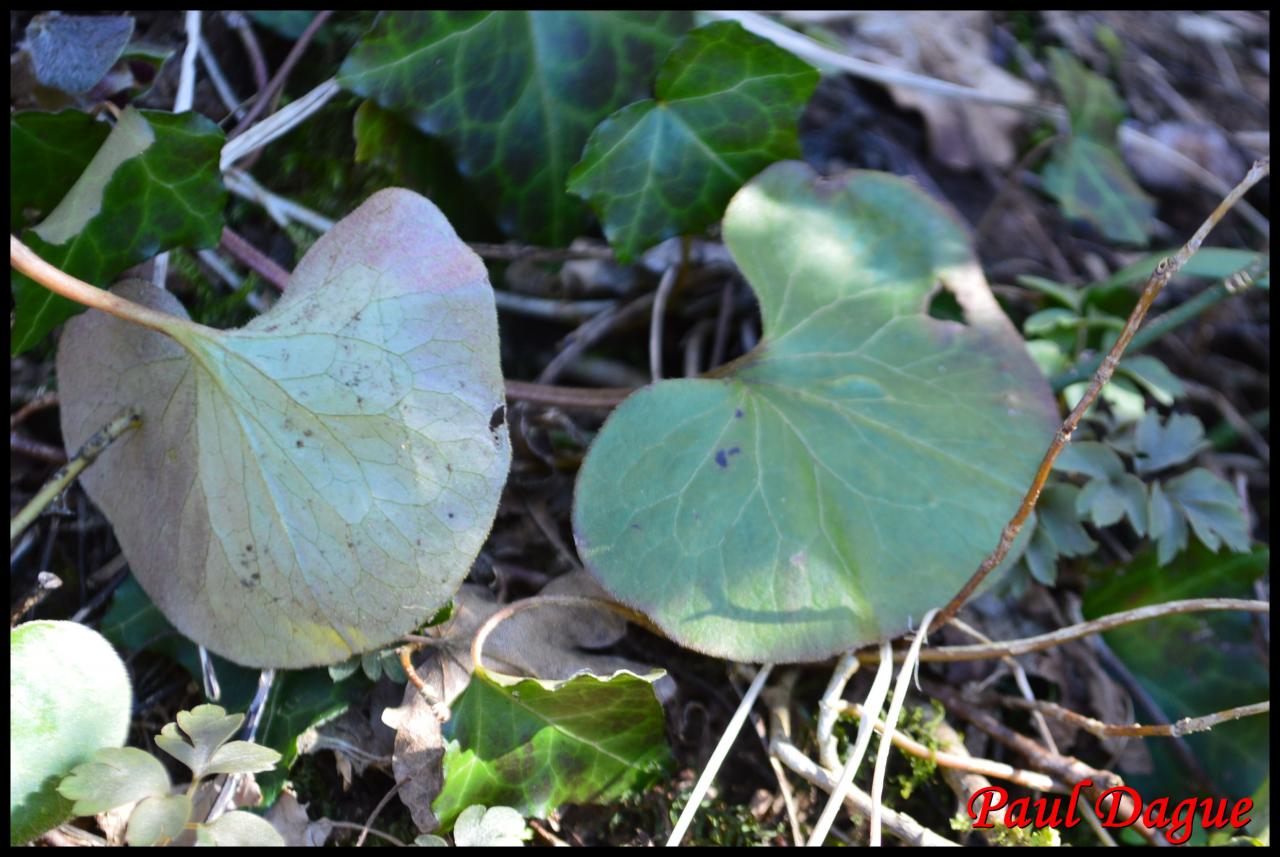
950	46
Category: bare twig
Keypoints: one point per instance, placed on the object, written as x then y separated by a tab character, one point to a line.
277	124
253	258
1083	629
718	756
529	253
257	62
46	584
660	297
276	83
368	823
1066	769
92	448
843	784
568	398
899	824
1185	726
35	449
964	762
1161	275
48	400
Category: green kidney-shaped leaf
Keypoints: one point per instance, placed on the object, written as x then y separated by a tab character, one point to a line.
849	474
725	107
154	184
69	695
316	483
534	745
515	94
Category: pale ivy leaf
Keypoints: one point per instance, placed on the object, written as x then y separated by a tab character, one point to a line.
156	819
1090	458
497	826
1048	355
1211	507
116	776
1154	377
1168	525
208	727
317	483
239	829
242	757
1164	445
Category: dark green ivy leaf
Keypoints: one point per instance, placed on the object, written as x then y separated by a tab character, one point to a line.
534	745
47	153
153	185
1085	173
725	106
515	95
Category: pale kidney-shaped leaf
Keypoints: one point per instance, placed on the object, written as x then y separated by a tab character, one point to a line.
69	695
158	818
316	483
115	776
852	472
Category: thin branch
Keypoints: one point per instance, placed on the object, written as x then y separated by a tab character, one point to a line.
351	825
277	124
843	785
909	666
1161	275
1066	769
24	259
660	298
1185	726
529	253
253	258
47	400
899	824
257	62
718	756
1169	321
92	448
985	767
276	84
20	443
280	209
1083	629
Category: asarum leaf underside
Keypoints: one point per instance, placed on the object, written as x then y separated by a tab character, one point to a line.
318	482
852	472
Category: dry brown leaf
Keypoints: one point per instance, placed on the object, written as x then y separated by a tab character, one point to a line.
289	818
950	46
